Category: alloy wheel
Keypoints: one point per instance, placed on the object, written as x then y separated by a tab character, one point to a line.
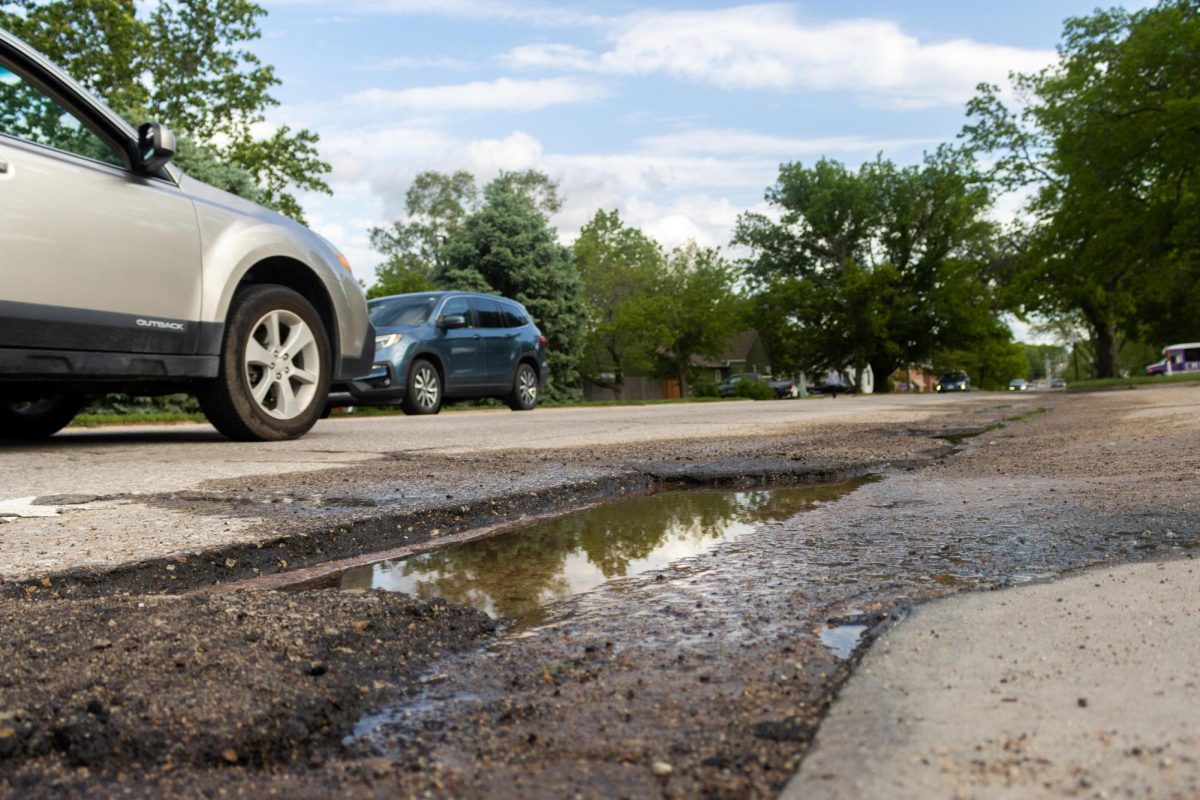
283	364
426	387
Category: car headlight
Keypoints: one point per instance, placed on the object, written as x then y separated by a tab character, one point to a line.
387	340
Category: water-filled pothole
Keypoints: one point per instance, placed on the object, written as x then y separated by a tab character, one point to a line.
520	573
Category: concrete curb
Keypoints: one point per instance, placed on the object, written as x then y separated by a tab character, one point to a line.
1084	687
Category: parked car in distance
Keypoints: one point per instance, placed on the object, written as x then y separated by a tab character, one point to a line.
1058	383
954	382
121	274
783	388
431	347
1019	385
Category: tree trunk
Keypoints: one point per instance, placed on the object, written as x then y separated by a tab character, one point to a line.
883	369
1106	350
683	381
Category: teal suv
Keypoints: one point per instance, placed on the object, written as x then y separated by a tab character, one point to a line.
432	347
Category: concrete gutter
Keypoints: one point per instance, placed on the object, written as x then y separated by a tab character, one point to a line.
1085	687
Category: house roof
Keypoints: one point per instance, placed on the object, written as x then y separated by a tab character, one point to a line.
739	349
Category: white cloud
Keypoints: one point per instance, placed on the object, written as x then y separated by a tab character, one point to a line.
724	141
767	47
503	94
518	151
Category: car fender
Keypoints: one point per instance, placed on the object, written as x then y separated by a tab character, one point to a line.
237	235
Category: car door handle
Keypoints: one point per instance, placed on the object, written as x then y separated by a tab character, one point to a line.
477	336
3	167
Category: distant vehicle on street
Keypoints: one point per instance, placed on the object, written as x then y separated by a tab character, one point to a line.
431	347
783	388
1177	358
1019	385
1058	383
120	274
954	382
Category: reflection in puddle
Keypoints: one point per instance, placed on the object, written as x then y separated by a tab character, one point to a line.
842	639
520	573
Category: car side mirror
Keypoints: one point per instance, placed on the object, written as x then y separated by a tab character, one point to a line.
156	147
453	321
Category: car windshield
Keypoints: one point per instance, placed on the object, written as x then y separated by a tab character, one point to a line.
398	311
954	376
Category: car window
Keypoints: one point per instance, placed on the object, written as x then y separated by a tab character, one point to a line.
489	313
513	318
29	114
458	306
401	311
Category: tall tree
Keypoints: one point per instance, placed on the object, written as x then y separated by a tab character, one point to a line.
436	205
622	271
1107	139
855	270
696	312
507	246
186	64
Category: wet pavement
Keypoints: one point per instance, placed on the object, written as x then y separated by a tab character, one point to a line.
521	574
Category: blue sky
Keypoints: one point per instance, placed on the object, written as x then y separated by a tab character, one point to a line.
677	114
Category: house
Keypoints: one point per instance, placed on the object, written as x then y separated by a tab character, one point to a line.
913	378
745	353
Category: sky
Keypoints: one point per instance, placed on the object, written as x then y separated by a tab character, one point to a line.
676	114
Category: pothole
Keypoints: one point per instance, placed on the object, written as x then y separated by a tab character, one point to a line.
520	573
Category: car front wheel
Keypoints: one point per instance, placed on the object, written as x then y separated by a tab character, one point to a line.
24	417
274	371
423	394
524	395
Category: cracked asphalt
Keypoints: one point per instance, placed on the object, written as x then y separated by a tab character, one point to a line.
706	678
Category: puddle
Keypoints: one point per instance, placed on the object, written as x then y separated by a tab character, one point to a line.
521	573
842	639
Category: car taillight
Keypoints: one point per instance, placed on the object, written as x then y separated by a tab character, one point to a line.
542	341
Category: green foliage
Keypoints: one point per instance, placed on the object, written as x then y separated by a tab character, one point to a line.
991	363
754	390
697	310
122	405
622	271
185	64
507	246
1036	357
707	389
1107	139
436	205
880	267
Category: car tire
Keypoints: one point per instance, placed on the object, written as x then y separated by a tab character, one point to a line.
423	392
39	417
275	388
524	395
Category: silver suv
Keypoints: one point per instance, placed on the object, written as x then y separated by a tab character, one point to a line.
118	273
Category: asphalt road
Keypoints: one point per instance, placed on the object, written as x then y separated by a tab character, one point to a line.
138	459
87	497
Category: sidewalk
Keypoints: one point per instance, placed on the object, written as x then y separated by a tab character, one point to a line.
1083	687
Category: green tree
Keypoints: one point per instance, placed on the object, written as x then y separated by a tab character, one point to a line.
865	267
1106	139
507	246
436	205
622	271
185	64
696	312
